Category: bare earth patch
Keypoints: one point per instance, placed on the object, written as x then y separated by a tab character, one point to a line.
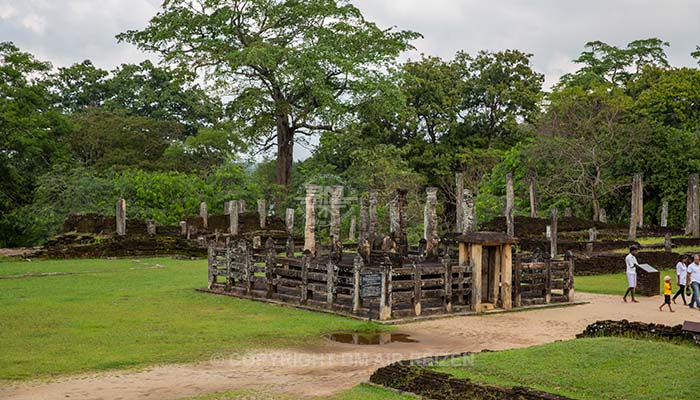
332	367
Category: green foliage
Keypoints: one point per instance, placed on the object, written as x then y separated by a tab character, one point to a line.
29	130
605	64
140	90
165	197
103	139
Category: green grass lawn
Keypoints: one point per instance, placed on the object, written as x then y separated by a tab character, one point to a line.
599	368
68	324
615	283
360	392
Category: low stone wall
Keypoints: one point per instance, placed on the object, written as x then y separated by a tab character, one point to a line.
615	263
639	330
531	244
94	246
412	376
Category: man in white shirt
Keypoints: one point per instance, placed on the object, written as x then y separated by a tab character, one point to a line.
681	277
631	263
694	279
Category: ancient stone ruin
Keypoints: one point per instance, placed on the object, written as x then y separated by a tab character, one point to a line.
383	276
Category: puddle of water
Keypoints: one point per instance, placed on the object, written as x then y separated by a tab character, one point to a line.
376	338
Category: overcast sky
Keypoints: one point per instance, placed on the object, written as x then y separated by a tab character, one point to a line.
69	31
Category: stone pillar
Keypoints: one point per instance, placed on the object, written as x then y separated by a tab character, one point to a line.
553	234
664	214
430	231
459	201
693	206
336	199
469	212
568	212
372	227
233	210
667	242
204	214
533	198
510	199
183	228
400	234
241	206
364	220
393	216
351	234
603	216
635	205
289	220
310	225
121	217
640	201
151	227
262	213
592	235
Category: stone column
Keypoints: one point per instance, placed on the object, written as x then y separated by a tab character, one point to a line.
400	234
693	206
241	206
364	220
204	214
121	217
533	198
151	227
430	231
233	210
336	199
310	225
664	214
351	234
262	213
183	228
640	201
634	207
553	234
592	235
372	227
459	201
289	220
510	199
393	216
603	216
469	212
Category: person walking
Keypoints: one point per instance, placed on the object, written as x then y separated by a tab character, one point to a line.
681	277
667	294
631	263
693	277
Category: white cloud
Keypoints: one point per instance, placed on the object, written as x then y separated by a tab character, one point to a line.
7	11
34	23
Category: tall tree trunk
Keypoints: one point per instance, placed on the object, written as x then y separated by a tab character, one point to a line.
596	207
285	153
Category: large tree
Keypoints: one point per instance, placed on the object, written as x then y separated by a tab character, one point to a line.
291	67
580	139
29	127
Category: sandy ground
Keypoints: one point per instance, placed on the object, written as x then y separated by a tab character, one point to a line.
331	367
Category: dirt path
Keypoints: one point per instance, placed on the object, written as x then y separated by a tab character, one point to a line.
324	370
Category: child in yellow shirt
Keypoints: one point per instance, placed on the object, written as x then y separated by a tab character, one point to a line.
667	294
